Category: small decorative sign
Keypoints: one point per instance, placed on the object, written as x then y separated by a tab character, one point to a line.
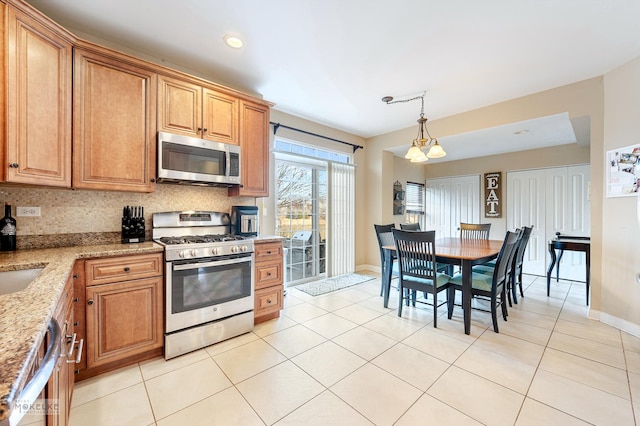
492	194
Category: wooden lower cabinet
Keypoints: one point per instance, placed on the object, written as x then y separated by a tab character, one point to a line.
59	389
121	301
123	319
269	281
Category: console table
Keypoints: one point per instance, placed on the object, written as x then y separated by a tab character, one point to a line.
570	243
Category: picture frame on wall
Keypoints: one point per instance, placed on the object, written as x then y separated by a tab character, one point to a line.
623	171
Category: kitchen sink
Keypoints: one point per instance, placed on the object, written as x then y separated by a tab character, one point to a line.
12	281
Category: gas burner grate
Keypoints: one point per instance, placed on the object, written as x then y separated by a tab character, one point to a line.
200	239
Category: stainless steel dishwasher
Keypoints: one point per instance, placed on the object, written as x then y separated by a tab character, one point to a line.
37	380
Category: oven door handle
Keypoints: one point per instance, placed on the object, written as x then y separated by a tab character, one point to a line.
196	265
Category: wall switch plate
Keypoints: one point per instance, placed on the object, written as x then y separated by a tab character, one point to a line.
28	211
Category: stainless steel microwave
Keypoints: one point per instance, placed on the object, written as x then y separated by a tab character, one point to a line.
187	160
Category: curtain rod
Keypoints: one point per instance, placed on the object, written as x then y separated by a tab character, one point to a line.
276	126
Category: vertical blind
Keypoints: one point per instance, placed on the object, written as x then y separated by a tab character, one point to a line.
415	198
341	219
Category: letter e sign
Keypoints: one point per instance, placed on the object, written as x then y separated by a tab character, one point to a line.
492	194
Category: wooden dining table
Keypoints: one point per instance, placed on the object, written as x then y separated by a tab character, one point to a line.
452	251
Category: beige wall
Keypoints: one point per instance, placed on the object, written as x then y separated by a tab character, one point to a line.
582	99
620	255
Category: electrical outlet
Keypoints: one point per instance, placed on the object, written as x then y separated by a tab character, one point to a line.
28	211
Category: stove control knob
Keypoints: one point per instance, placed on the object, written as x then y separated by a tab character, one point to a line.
193	252
244	248
181	253
215	251
234	249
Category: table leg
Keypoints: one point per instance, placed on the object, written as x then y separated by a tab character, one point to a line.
588	256
551	265
558	265
466	295
387	268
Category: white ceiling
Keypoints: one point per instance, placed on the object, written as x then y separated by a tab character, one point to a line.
332	61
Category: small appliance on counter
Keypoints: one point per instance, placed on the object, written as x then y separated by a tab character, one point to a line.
244	220
133	228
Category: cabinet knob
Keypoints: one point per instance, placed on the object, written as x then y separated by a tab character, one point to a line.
76	300
152	180
14	165
90	302
269	301
127	269
75	276
204	130
268	251
76	324
268	274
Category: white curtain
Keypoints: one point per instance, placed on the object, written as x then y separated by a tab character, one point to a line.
341	219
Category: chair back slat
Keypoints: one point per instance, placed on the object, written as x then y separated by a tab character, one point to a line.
410	226
474	231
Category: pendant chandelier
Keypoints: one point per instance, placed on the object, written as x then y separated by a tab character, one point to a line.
423	140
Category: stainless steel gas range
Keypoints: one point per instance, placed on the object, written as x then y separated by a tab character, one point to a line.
209	280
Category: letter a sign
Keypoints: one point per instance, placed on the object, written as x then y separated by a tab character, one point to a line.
492	194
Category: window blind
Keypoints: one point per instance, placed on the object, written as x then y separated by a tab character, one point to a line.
415	198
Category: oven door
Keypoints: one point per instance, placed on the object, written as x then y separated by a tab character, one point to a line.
204	290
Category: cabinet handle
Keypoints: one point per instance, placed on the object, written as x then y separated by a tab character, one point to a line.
90	302
76	324
75	276
72	344
127	269
14	165
76	300
79	357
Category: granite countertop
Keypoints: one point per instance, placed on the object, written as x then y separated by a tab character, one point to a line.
25	315
267	238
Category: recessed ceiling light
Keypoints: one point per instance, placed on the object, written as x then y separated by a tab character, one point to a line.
521	132
233	41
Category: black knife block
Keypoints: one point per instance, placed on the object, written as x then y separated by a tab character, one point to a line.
133	227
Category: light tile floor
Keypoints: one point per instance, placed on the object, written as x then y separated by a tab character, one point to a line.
343	359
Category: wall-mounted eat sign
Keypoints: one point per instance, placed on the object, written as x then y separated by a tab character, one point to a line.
492	194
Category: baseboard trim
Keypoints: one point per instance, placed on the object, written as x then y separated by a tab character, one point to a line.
619	323
367	267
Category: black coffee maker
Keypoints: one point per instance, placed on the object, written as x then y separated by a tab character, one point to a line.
244	220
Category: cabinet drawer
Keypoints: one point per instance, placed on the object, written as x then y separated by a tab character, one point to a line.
122	268
268	251
268	300
268	274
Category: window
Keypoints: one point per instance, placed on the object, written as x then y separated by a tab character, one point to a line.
311	151
415	203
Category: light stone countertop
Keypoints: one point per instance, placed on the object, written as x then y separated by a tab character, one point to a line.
25	315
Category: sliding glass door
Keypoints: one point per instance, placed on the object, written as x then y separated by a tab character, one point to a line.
301	218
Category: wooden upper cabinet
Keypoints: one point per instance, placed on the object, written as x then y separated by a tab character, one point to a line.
39	73
254	149
114	134
186	108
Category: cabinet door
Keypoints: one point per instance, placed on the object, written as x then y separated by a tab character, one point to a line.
114	135
254	151
179	107
123	319
38	104
219	117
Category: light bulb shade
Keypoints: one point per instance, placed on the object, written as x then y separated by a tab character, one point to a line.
413	152
420	158
436	151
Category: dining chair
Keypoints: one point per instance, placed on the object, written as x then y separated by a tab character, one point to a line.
492	287
474	231
416	259
385	238
515	270
410	226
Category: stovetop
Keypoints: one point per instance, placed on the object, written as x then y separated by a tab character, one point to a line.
199	239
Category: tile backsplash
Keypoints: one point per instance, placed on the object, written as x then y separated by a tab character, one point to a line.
65	211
